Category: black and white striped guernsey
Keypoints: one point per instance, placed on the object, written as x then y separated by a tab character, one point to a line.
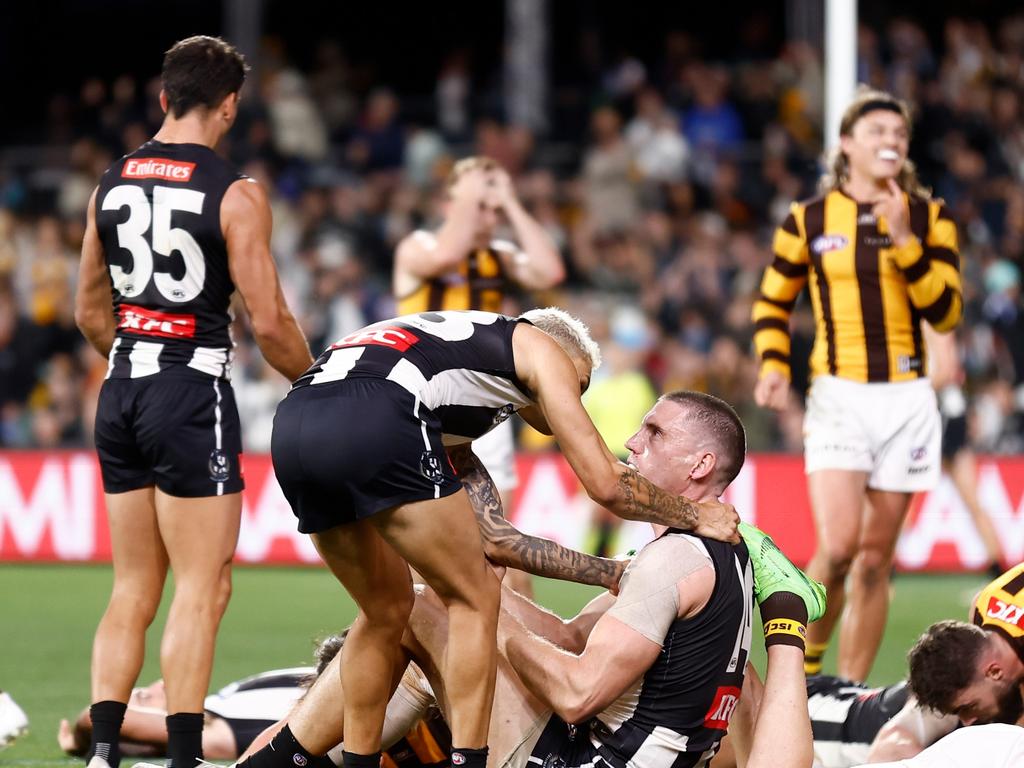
158	218
457	364
846	716
678	712
266	696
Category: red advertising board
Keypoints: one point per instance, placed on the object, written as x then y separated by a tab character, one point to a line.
51	509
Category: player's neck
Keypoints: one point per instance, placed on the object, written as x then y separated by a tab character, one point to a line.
864	189
191	129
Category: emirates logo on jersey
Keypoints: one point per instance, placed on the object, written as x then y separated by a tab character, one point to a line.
722	707
157	168
152	323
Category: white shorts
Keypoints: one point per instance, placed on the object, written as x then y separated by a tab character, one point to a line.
497	451
990	746
892	431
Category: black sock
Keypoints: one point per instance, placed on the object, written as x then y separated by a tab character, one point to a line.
353	760
106	717
470	758
184	739
284	751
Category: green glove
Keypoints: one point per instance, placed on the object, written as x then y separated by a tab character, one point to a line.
773	572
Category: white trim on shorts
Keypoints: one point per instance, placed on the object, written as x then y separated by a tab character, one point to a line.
217	432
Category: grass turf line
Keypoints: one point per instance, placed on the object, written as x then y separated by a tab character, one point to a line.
48	614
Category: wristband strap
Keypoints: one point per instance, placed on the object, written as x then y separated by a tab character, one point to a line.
785	627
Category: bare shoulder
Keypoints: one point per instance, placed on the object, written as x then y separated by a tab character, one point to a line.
246	197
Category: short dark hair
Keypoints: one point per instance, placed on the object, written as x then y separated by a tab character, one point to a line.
723	425
199	72
943	662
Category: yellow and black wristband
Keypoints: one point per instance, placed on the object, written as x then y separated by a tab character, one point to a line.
784	632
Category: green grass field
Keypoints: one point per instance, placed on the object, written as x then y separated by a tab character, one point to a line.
48	615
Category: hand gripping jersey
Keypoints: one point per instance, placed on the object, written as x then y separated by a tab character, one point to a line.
459	365
158	217
1000	607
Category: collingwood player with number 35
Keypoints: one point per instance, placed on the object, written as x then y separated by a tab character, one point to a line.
366	447
172	231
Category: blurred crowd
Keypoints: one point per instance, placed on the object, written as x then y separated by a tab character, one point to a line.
661	184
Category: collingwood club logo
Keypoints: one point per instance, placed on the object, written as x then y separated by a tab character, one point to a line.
432	469
219	466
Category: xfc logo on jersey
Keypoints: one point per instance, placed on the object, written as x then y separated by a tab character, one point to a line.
724	704
388	336
154	323
1005	612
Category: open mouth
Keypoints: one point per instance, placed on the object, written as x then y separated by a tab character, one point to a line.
888	155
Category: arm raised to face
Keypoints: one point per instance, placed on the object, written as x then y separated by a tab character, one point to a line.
555	382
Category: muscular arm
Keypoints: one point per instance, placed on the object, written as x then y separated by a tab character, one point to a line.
783	710
665	584
570	635
548	372
910	731
505	545
94	312
246	221
577	687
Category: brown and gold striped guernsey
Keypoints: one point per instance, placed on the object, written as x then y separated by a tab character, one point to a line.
868	296
1000	607
478	283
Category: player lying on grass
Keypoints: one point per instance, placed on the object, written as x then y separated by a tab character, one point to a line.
665	657
241	710
972	675
967	673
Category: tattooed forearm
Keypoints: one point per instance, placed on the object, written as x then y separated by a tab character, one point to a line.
643	500
506	545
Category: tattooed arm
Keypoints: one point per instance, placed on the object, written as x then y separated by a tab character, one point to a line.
549	373
506	545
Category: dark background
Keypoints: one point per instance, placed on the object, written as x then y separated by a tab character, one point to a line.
52	47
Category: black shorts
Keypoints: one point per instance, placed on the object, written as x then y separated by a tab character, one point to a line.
245	730
954	435
567	746
177	431
349	449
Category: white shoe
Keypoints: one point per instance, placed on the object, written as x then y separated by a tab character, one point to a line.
146	765
97	762
13	720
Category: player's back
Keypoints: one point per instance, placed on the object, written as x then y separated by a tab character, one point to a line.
460	365
158	218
